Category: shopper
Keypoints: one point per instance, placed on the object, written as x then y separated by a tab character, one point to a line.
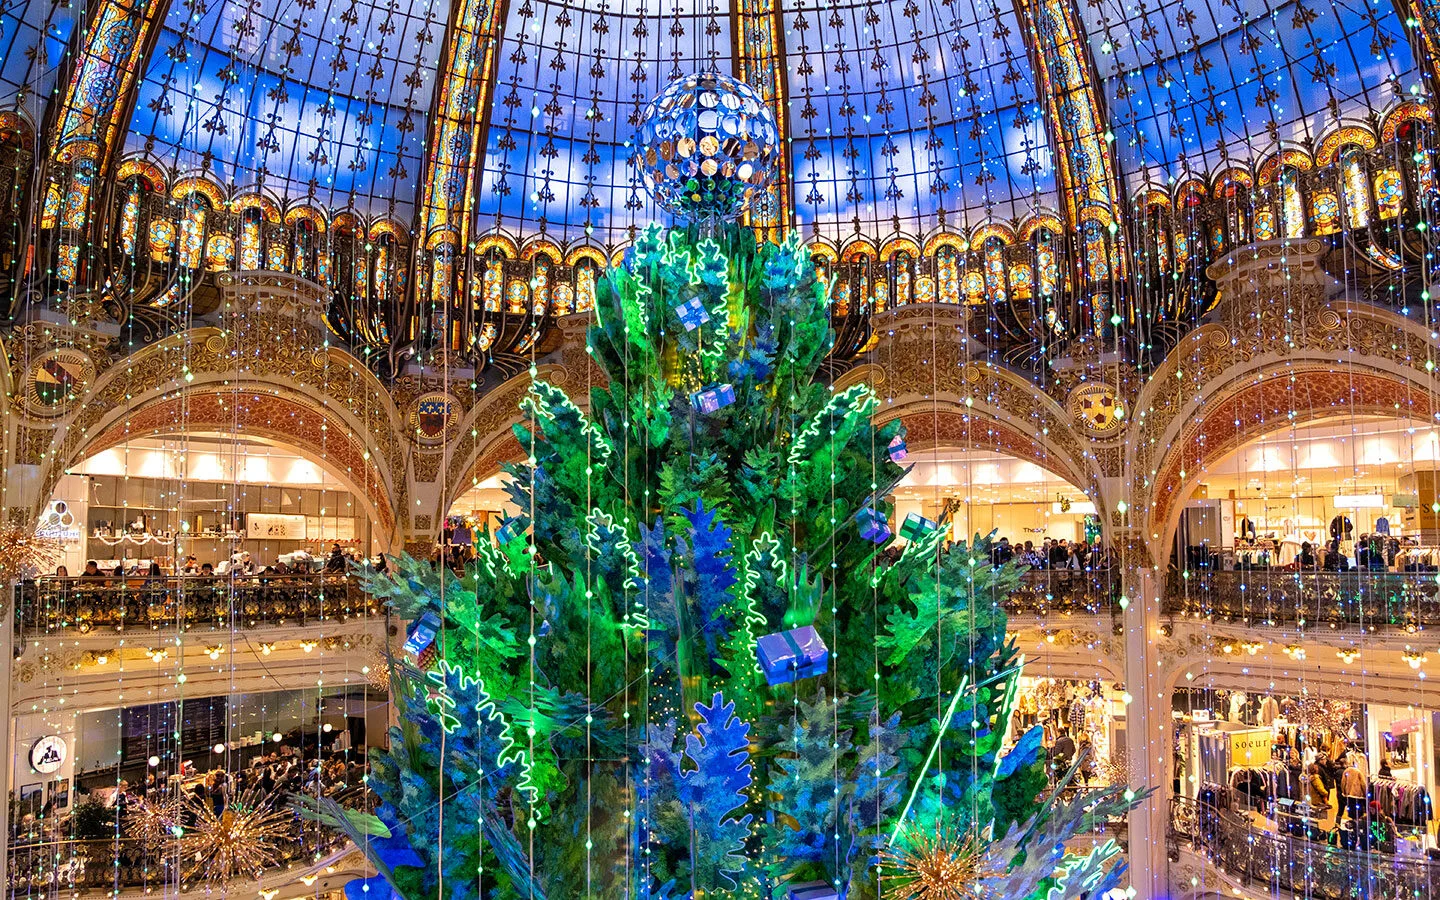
1352	792
1317	792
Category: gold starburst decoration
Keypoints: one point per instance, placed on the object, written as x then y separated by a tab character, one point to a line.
153	823
934	865
21	549
244	840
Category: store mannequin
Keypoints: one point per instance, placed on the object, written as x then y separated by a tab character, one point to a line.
1269	711
1237	705
1247	529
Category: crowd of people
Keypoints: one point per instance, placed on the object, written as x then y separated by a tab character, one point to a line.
240	563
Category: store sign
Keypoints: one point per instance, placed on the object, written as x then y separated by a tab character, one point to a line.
1404	726
275	527
47	755
58	523
1250	748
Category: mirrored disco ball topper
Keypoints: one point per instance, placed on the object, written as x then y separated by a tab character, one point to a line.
707	146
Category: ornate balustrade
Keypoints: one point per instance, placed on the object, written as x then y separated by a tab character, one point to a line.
1280	597
1278	862
1045	592
188	602
109	866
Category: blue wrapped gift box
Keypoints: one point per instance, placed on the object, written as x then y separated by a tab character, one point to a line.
712	398
420	643
813	890
509	530
790	655
873	526
692	313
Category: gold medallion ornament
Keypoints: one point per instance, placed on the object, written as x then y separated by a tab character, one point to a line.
1097	407
933	865
434	418
56	379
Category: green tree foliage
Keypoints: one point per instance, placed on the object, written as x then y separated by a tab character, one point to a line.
595	722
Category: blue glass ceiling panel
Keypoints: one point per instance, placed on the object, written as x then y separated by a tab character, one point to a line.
1192	81
34	38
329	99
982	154
572	78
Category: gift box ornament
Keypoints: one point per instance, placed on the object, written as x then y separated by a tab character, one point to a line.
692	313
873	526
419	646
813	890
508	531
916	527
712	398
897	449
791	655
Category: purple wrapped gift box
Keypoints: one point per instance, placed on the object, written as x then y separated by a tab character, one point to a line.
873	526
712	398
790	655
813	890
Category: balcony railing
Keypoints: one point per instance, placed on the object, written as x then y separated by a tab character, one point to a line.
1273	862
188	602
1277	597
1045	592
40	866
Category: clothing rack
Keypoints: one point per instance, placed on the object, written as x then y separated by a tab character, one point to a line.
1407	803
1260	785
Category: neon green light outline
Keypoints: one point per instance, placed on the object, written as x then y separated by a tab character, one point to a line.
551	396
929	758
598	519
847	398
510	750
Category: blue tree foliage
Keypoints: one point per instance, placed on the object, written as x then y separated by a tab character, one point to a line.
709	577
712	793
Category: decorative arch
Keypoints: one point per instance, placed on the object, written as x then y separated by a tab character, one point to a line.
584	252
943	238
1286	158
487	438
1233	177
1261	401
1047	221
266	412
954	427
269	209
308	214
195	184
154	175
543	248
497	241
897	245
1408	111
989	230
857	250
1347	135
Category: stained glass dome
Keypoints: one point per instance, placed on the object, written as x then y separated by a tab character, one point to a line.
516	116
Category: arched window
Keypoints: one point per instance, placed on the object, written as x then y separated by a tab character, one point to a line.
1415	149
994	253
948	271
585	278
250	248
305	235
130	218
900	265
494	284
1047	263
1354	188
77	196
1097	253
1292	205
540	288
1389	192
1158	218
192	231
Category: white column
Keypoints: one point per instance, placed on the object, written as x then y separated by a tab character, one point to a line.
7	673
1147	734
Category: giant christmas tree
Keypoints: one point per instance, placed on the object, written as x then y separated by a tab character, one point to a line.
585	713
